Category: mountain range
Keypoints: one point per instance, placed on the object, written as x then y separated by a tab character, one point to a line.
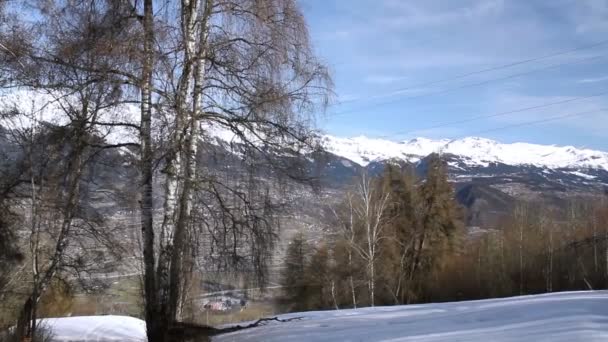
489	177
473	151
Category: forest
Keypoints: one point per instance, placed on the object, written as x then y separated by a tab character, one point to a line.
401	240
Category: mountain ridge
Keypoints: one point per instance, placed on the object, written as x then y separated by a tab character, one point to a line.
473	151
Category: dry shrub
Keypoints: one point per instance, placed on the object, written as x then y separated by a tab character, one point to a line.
57	300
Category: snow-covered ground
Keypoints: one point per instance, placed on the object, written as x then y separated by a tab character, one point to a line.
558	317
96	328
567	317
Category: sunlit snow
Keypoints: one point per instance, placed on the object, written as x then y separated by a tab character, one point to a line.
474	151
557	317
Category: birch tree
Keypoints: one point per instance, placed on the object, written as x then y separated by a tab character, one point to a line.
193	66
370	210
345	217
52	66
242	67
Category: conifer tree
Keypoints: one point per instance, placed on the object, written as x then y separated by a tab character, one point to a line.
293	277
404	211
319	279
441	217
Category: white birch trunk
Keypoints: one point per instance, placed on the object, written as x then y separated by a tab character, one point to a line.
198	50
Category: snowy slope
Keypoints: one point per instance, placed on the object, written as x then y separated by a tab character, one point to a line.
560	317
474	152
96	328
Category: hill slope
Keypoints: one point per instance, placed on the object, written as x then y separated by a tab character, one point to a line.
570	316
566	316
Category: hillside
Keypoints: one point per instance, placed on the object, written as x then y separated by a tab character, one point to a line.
567	316
488	176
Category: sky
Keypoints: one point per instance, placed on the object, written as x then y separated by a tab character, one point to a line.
399	69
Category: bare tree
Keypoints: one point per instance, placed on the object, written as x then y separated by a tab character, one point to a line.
369	209
55	67
347	224
242	67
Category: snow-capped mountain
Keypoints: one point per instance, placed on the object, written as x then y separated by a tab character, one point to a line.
489	177
471	151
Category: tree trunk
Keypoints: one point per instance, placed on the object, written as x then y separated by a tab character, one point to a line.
352	289
371	283
521	259
350	254
595	263
34	240
606	253
418	255
333	294
156	325
189	167
550	284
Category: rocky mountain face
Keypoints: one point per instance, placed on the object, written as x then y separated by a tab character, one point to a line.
489	177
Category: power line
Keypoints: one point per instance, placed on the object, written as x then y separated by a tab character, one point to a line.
469	85
499	67
475	118
553	118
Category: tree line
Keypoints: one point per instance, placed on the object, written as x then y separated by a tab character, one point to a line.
391	232
400	240
537	249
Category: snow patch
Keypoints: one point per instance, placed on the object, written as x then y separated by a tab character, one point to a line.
346	163
96	328
582	175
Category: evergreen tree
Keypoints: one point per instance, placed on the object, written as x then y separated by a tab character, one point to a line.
441	216
424	219
442	211
319	279
404	211
293	277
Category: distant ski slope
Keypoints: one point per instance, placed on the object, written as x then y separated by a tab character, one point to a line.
559	317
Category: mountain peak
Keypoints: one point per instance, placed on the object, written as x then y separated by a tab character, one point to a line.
474	150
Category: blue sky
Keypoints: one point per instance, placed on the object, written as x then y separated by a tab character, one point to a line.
386	56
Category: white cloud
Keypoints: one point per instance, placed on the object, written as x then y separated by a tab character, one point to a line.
593	80
425	14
